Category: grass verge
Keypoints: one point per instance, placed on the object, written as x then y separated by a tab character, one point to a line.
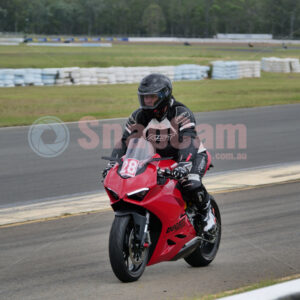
23	105
129	55
259	285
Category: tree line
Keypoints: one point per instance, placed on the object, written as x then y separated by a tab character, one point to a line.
181	18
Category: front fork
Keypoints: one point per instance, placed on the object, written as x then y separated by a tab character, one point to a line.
141	235
146	240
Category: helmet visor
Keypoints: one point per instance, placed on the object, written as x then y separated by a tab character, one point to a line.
149	100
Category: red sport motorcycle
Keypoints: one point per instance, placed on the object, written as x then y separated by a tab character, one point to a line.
153	222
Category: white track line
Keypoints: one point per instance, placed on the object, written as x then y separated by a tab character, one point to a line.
229	181
277	291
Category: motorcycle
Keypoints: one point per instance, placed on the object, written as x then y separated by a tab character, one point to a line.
153	221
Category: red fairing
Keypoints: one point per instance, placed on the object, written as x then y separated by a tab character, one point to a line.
122	186
208	161
164	201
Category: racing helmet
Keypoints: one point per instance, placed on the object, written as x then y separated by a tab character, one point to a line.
157	85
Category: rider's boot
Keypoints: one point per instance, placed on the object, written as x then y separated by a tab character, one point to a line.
206	221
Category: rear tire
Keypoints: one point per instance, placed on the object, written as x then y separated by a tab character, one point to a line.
206	252
127	262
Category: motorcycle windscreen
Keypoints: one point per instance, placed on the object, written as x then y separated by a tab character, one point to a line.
139	152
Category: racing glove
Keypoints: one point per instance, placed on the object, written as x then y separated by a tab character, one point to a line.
107	169
182	170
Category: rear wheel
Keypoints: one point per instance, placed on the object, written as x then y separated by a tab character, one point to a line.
127	259
207	251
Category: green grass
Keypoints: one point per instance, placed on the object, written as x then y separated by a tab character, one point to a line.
23	105
24	56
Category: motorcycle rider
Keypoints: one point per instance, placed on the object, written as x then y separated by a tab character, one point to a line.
170	126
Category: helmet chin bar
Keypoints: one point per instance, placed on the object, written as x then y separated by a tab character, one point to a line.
160	114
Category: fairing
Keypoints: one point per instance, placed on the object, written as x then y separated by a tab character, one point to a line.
164	201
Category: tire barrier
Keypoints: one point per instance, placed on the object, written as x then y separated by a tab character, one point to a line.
235	69
191	72
95	76
33	77
120	75
280	65
49	76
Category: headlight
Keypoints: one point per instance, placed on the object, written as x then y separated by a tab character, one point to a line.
138	195
113	194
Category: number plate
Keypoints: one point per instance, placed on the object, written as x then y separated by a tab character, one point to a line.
129	167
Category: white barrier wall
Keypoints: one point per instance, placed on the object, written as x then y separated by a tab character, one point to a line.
235	69
94	76
282	65
243	36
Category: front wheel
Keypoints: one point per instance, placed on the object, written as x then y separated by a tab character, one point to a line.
127	259
207	251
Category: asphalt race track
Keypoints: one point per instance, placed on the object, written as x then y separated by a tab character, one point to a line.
68	258
272	137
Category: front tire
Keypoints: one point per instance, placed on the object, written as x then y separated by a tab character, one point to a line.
207	251
128	262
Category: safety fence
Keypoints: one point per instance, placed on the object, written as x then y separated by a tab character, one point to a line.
75	39
219	39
